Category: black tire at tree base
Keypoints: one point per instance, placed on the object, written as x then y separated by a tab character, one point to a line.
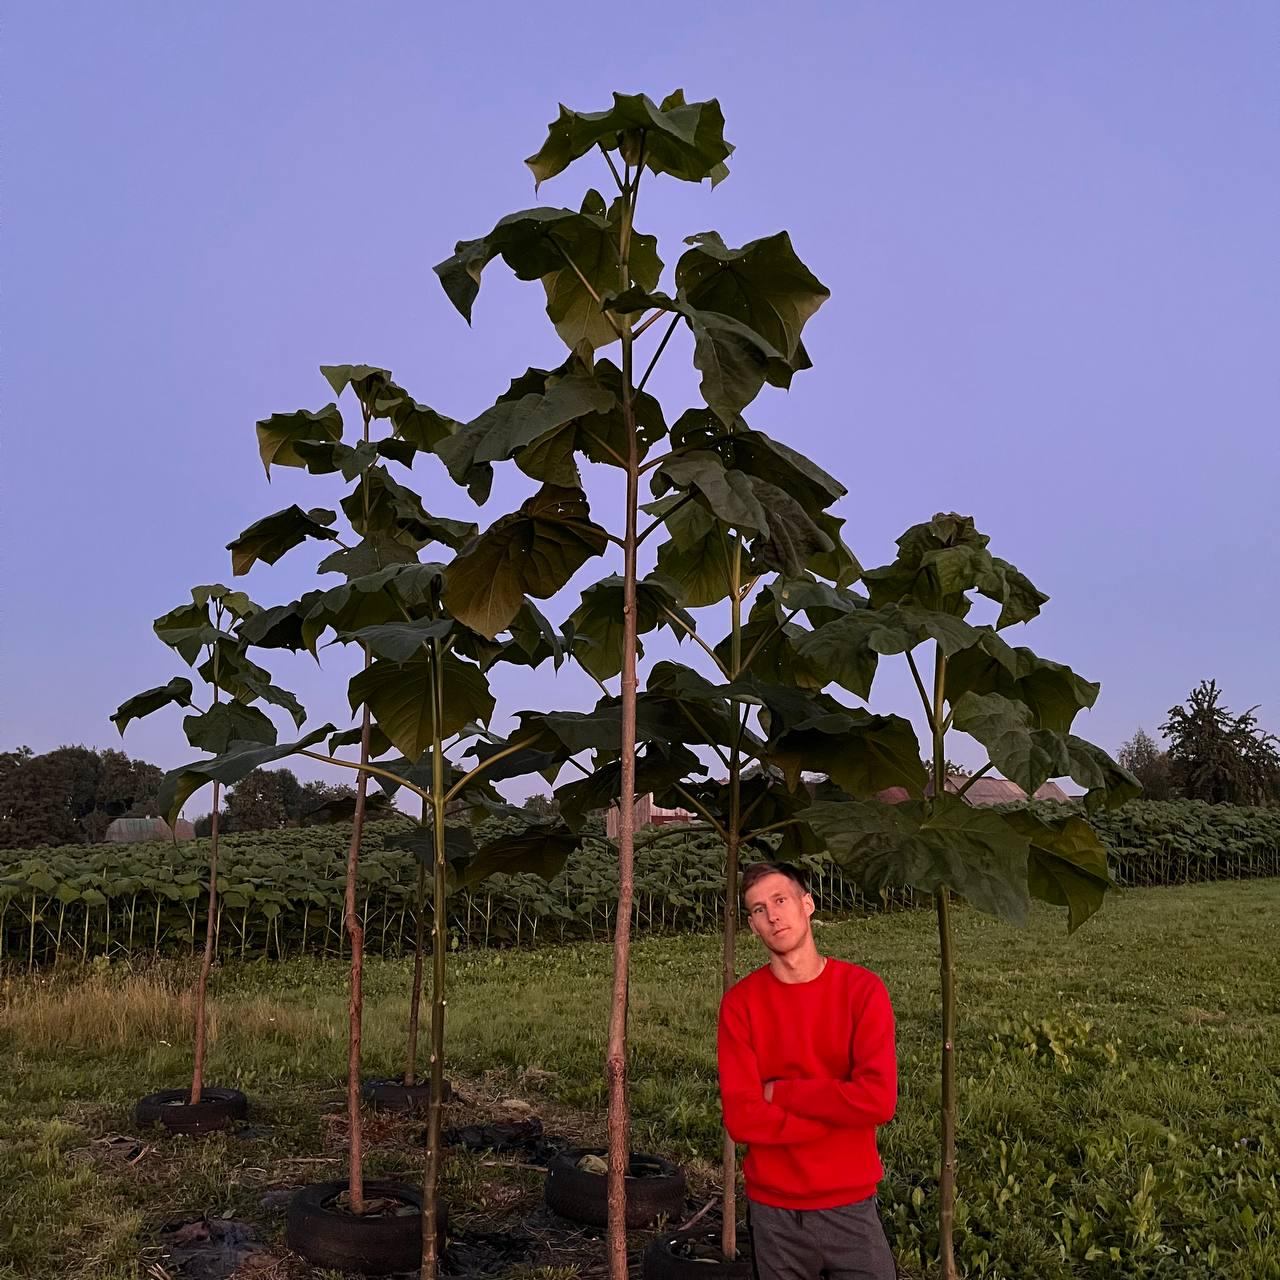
664	1261
217	1109
654	1187
373	1246
395	1095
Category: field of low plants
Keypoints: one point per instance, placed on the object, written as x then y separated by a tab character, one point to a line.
1121	1117
280	892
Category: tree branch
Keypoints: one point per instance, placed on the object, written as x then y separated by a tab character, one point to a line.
622	190
973	777
924	694
688	497
662	346
706	648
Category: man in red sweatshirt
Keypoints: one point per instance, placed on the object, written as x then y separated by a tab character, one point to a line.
807	1071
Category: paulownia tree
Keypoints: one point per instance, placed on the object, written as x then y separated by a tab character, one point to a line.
1018	706
745	309
761	564
209	632
421	690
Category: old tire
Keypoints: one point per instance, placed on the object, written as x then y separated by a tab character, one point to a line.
395	1095
326	1237
654	1187
663	1259
217	1109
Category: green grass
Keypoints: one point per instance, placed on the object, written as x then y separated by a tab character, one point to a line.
1120	1110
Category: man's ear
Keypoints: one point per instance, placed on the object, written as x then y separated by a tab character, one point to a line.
809	905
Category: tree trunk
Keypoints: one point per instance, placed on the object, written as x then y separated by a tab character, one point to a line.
415	998
942	897
728	976
206	964
619	1118
440	889
947	1182
355	1005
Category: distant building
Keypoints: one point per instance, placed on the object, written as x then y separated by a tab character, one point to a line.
983	792
647	814
986	791
134	830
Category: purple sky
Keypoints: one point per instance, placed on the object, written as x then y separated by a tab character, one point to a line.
1050	234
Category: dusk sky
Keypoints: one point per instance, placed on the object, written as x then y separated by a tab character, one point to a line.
1050	235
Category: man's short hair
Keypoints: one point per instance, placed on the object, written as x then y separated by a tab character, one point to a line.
758	870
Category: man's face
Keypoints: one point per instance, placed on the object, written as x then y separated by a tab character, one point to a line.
778	913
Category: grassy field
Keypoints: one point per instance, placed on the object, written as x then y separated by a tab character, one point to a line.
1119	1092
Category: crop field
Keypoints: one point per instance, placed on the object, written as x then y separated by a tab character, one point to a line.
1120	1108
281	891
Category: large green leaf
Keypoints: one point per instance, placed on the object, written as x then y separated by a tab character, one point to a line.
370	600
324	457
729	495
1052	693
793	538
683	139
379	745
658	766
416	424
592	246
1030	756
927	845
863	754
839	565
368	381
818	601
242	758
533	551
534	637
401	641
227	722
941	560
598	621
233	671
847	649
399	696
186	629
379	506
540	850
575	255
269	538
746	449
278	434
369	555
697	554
280	626
767	642
734	360
537	405
1068	863
143	704
763	284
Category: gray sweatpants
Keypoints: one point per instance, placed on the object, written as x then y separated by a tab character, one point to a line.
845	1243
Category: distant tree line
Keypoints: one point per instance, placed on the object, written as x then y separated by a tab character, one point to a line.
71	795
1212	754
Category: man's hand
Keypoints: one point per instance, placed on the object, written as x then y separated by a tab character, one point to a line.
768	1090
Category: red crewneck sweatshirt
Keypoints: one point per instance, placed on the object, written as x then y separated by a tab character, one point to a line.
828	1046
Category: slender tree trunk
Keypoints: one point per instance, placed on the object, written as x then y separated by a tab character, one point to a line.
729	1208
440	889
942	897
355	1004
947	1182
419	940
206	964
619	1119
